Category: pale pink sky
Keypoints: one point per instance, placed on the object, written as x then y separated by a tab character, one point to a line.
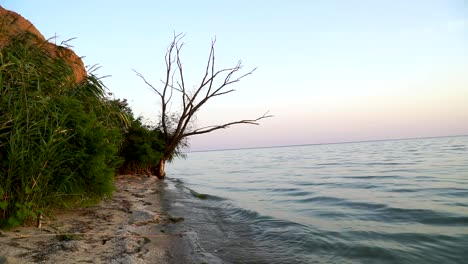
330	71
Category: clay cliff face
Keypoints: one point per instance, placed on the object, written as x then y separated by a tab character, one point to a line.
13	24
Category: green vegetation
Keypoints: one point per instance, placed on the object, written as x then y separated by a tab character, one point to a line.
60	141
143	145
201	196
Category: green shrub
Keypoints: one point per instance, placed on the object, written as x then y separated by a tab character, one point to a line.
142	146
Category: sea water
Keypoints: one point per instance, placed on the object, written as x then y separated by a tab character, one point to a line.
402	201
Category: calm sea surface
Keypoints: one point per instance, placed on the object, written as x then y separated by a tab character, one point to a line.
403	201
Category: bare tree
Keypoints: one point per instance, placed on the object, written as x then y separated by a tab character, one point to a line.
177	127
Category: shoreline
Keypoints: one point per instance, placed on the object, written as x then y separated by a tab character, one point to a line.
129	227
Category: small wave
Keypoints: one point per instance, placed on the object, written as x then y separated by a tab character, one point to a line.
358	185
399	170
241	214
309	183
179	184
374	177
238	171
364	253
328	200
384	212
458	147
401	190
329	164
321	199
252	217
385	163
276	190
457	193
204	196
423	216
446	192
289	191
298	193
412	247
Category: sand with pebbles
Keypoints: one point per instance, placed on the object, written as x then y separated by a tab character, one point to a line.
130	227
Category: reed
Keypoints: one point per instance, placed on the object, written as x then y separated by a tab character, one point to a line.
58	140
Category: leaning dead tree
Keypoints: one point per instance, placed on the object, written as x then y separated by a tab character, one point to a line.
176	127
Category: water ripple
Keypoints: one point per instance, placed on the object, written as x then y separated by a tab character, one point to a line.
371	202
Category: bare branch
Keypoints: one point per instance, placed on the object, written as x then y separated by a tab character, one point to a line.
147	83
181	74
227	80
222	93
210	62
209	129
212	65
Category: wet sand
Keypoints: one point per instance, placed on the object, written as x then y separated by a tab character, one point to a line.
130	227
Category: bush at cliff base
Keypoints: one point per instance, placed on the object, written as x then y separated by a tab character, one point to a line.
58	139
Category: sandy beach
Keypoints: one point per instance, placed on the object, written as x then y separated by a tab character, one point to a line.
130	227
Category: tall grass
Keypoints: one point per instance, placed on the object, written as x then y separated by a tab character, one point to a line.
58	139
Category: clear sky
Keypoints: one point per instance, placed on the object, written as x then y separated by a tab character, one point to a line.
330	71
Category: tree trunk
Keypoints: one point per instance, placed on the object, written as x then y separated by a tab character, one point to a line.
161	172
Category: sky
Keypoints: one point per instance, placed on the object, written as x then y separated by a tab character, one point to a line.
329	71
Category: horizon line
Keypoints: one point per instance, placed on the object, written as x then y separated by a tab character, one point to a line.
326	143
